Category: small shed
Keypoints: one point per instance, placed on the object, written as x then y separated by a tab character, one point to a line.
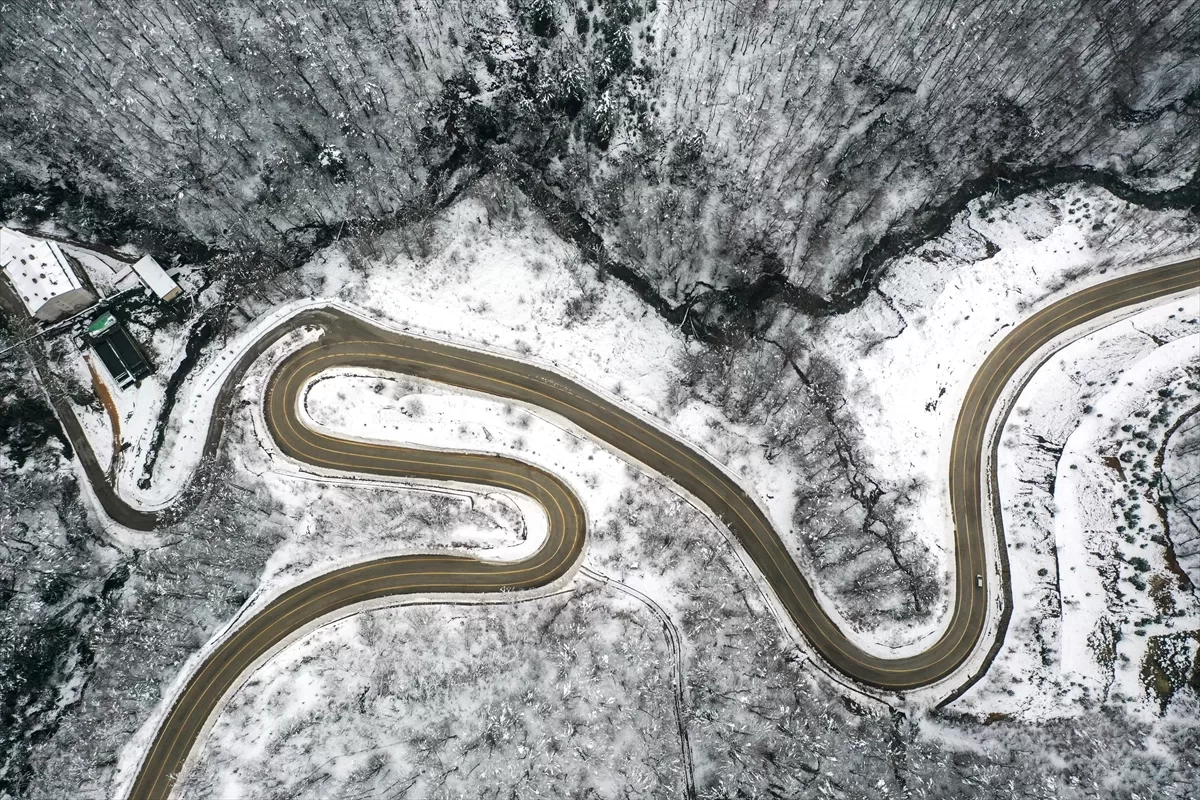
156	279
120	354
42	276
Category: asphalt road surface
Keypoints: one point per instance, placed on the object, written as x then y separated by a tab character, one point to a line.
350	342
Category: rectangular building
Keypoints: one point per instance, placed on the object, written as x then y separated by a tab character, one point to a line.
120	354
42	276
156	279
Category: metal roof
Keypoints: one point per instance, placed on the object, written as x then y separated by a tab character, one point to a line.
119	353
37	268
102	323
156	278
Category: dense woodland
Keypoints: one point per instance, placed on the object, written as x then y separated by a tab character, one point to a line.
722	156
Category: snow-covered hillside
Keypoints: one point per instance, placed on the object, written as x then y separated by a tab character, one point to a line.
1094	577
909	353
815	407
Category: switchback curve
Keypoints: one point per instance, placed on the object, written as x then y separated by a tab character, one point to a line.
349	341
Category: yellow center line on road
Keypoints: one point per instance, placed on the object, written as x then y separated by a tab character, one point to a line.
1045	326
748	514
493	476
748	509
630	434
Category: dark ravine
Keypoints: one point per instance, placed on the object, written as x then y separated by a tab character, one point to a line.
201	334
1005	184
1161	481
864	489
744	306
713	314
96	219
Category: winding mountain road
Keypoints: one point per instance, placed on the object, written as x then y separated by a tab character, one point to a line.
350	342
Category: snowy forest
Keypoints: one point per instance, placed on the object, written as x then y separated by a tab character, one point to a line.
793	147
756	201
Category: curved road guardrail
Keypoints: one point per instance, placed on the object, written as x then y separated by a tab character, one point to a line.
350	341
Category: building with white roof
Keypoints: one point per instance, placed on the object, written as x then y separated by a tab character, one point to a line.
42	276
156	279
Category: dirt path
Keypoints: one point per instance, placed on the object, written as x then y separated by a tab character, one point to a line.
114	417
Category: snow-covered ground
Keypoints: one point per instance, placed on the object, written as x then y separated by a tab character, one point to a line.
910	351
508	290
521	291
107	274
409	411
1089	586
95	419
354	707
